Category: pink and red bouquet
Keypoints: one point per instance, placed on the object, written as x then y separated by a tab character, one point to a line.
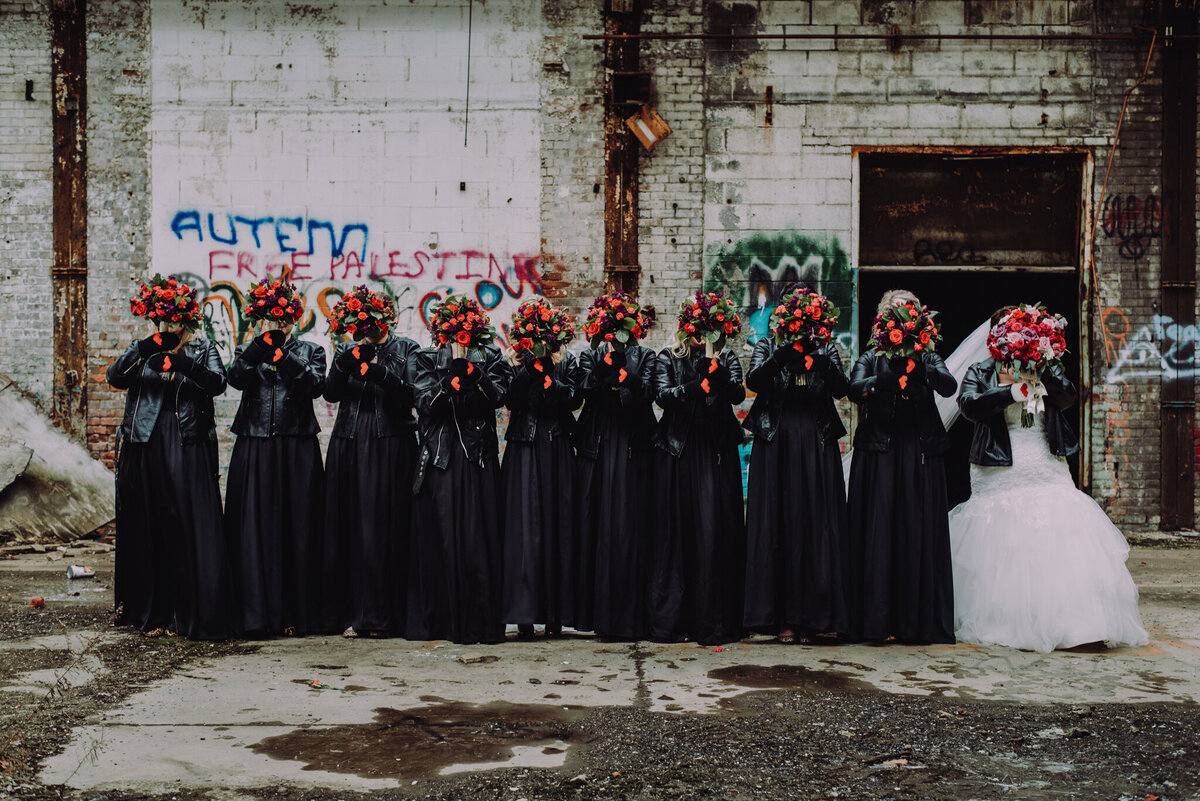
803	320
709	317
167	300
540	329
1029	339
461	321
273	301
616	318
905	329
362	313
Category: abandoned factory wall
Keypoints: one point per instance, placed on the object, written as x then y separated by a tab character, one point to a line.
439	146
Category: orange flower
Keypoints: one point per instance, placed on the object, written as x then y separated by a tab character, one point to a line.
362	315
463	338
924	338
895	336
276	312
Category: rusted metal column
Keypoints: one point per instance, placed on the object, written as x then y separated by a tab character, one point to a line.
1178	293
621	270
68	276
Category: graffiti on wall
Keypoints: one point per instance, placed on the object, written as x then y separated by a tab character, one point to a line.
1161	349
754	272
1133	222
223	253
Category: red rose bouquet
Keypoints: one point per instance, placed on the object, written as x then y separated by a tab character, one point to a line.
167	300
362	313
540	329
803	320
460	321
1028	339
905	329
273	301
617	318
710	317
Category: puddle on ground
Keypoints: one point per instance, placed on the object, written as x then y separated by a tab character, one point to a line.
444	737
790	677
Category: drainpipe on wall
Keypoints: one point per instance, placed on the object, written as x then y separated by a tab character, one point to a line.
621	270
1178	292
68	276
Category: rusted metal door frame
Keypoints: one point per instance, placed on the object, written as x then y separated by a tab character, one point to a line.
69	273
621	176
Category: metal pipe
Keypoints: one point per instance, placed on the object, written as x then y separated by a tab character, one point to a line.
893	37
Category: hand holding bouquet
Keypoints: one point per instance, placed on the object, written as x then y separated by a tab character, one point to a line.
801	323
709	317
363	314
539	329
460	321
903	332
166	301
271	301
617	318
1026	342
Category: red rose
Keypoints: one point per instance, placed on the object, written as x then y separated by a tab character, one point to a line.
276	312
353	304
463	338
362	315
350	329
526	343
895	336
168	294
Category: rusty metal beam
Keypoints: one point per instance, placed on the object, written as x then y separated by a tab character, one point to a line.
620	157
1178	289
893	37
68	276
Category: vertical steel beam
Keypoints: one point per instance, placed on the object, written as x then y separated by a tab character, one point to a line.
68	276
621	177
1178	292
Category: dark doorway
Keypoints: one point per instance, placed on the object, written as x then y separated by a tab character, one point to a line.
963	300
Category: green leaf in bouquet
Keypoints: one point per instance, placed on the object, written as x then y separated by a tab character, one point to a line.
629	323
623	336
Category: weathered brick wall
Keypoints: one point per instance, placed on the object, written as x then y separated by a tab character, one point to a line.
26	253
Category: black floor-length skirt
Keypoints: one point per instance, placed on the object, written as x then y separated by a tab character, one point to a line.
368	515
538	488
698	551
454	572
273	513
173	563
899	581
613	527
796	538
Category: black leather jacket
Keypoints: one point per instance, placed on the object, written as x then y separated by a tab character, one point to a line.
192	392
873	388
533	409
466	421
601	400
772	381
983	400
393	395
682	413
277	399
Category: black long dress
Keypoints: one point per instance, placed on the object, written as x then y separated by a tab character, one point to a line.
537	481
454	584
613	440
899	577
368	505
275	499
698	555
172	567
795	509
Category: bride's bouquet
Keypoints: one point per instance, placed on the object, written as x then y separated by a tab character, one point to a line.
1027	341
803	321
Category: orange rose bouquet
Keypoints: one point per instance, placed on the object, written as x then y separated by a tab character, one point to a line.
362	313
617	318
803	320
167	300
461	321
540	329
709	317
273	301
905	329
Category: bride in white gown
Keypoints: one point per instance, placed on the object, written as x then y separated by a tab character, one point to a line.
1037	563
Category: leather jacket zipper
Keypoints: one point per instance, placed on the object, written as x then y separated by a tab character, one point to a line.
178	419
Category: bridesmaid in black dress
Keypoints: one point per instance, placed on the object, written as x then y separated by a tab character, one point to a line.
899	581
795	509
274	502
613	441
368	469
454	585
172	570
699	552
538	474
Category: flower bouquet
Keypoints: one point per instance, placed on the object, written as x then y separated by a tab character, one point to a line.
166	300
274	302
617	318
803	321
708	316
905	329
1028	340
462	323
540	329
363	314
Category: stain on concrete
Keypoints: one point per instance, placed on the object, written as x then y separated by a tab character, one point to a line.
791	677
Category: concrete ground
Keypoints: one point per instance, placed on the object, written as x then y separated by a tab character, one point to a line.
576	717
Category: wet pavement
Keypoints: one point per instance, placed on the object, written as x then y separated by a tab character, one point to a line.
577	717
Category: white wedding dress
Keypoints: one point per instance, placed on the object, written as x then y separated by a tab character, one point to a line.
1037	563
